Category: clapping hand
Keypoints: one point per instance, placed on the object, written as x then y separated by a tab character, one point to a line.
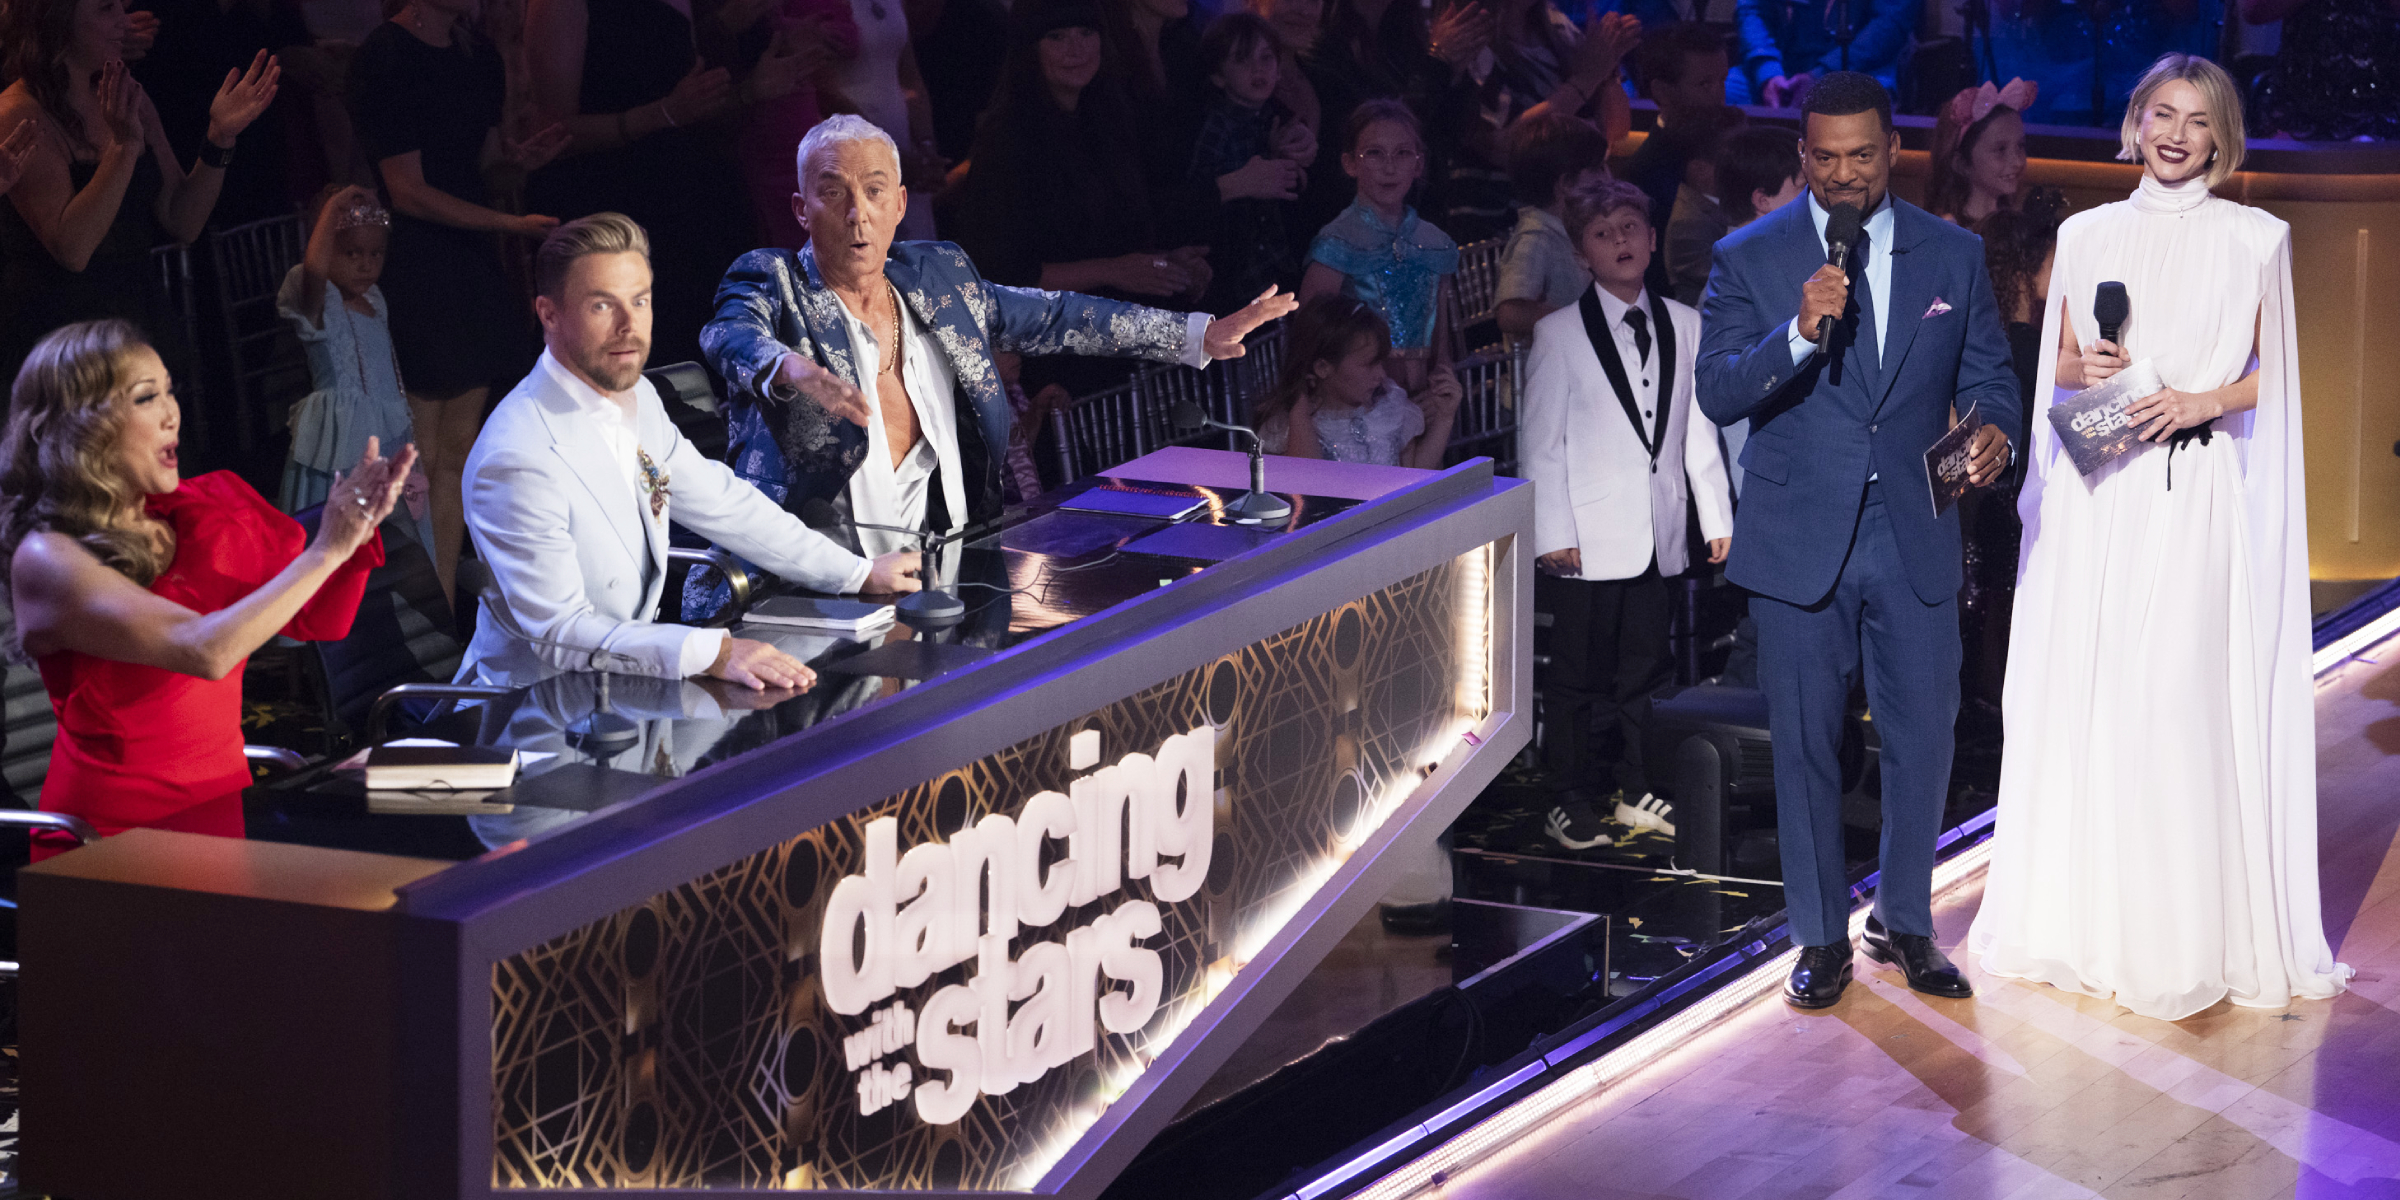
241	98
1462	32
698	95
1785	91
831	392
797	53
362	498
1441	395
2166	410
1194	262
141	33
15	151
1605	45
120	104
1224	336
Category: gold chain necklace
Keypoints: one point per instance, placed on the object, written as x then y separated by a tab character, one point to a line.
894	293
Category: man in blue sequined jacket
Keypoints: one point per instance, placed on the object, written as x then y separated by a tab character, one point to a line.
862	370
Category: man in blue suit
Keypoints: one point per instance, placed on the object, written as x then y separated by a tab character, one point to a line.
1836	537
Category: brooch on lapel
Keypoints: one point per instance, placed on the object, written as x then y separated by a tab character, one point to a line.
1940	306
654	481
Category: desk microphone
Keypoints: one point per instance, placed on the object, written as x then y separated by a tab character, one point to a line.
929	607
1842	227
1257	506
2110	306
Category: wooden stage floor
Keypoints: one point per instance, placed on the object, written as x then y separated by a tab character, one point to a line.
2026	1091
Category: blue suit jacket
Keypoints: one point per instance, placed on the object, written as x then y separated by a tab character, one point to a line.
1819	430
774	302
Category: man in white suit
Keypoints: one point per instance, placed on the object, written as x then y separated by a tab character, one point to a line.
573	480
1614	448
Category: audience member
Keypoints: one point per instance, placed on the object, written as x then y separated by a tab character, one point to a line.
205	40
1336	401
1549	155
1979	152
1299	25
1156	44
2336	76
1385	50
881	82
1253	151
140	595
426	96
1538	65
959	52
576	476
626	79
1153	48
769	128
102	184
1614	447
862	370
1054	195
1784	45
1683	70
1696	222
2017	247
1758	171
1381	252
2053	43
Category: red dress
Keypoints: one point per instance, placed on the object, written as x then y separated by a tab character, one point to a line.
148	747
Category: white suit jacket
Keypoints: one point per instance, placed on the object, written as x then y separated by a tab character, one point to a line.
1593	488
577	560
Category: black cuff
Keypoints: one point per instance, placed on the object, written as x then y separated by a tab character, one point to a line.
213	155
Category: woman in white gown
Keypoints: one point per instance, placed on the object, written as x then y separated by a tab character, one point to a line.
2157	828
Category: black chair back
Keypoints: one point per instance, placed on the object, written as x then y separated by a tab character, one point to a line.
28	725
403	632
691	401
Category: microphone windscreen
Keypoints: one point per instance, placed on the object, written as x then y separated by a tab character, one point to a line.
2110	305
820	514
1842	227
1188	417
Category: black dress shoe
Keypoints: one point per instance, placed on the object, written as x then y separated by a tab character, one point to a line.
1819	978
1927	968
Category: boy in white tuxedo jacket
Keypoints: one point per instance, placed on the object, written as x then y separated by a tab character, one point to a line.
1614	446
573	480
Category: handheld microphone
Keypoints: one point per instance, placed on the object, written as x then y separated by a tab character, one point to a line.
929	607
2110	307
1842	226
1258	505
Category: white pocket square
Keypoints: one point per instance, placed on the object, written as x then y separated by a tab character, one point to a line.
1940	306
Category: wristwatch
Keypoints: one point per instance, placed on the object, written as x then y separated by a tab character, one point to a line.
214	155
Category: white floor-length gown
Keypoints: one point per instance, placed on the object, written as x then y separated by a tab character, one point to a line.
2156	839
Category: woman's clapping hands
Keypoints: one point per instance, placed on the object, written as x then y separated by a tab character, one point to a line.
242	97
362	498
15	151
120	105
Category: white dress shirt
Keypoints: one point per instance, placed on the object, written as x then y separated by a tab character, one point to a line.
612	417
1641	372
1875	267
880	493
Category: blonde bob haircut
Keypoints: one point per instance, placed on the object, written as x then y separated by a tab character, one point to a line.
2216	91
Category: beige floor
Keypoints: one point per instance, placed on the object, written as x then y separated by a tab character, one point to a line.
2026	1091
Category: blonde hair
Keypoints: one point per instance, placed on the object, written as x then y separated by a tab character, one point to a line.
65	413
599	233
2224	109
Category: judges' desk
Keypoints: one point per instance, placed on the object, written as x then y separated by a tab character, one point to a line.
986	931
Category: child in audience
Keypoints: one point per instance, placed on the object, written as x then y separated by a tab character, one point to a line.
333	304
1381	252
1616	451
1336	401
1549	155
1254	151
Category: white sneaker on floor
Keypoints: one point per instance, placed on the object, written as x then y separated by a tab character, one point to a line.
1574	826
1649	812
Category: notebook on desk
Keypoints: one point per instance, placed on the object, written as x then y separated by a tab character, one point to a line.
1164	502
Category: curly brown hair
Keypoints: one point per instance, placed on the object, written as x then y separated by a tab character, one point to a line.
63	419
37	34
2015	241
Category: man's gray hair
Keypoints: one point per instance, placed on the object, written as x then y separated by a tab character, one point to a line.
841	127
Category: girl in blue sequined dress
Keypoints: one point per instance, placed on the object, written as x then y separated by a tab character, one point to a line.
1380	252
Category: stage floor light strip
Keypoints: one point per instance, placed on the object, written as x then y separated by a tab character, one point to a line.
1526	1116
2358	641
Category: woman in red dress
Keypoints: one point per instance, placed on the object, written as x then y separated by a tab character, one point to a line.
140	594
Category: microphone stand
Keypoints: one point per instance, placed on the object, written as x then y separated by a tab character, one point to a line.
1258	506
603	733
929	607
